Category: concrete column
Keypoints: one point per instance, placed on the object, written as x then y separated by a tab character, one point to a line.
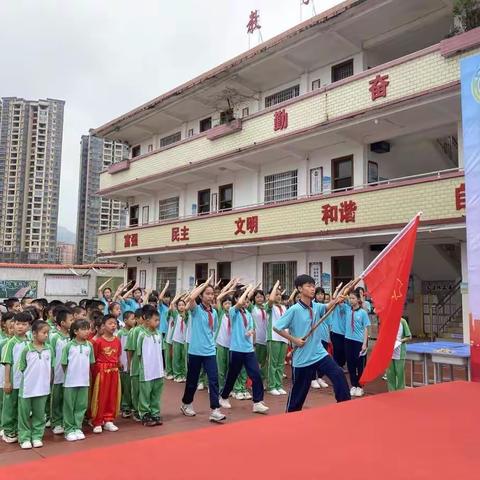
464	291
460	144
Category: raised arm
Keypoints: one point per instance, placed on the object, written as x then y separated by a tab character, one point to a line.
118	291
292	296
273	293
102	286
164	291
196	292
129	293
241	301
173	303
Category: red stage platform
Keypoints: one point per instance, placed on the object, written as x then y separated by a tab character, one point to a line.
422	433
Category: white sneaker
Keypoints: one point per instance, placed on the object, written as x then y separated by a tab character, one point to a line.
72	436
240	396
281	391
359	392
37	443
177	380
187	410
322	383
169	377
315	384
58	430
384	377
274	391
1	433
26	445
80	435
97	429
247	395
216	415
110	427
353	392
201	386
8	439
224	403
48	424
260	407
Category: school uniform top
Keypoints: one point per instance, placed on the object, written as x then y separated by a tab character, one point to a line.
299	319
3	341
242	322
274	313
149	351
163	313
11	355
203	322
122	335
179	334
36	367
170	327
129	304
53	329
131	345
400	352
357	321
77	357
260	319
58	343
105	303
338	319
223	332
367	306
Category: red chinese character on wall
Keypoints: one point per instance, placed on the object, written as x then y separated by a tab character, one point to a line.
329	213
253	22
180	234
460	200
134	239
347	211
239	226
252	224
280	120
378	86
126	240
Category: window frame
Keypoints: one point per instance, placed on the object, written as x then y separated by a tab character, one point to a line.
335	162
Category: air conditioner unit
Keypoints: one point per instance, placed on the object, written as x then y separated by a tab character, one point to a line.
380	147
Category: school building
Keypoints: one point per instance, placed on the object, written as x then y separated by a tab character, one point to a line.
306	153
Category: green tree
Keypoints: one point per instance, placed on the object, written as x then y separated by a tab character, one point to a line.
466	14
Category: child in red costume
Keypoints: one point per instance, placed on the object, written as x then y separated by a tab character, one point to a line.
105	404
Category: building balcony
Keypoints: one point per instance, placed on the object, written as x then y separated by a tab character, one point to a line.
401	83
382	207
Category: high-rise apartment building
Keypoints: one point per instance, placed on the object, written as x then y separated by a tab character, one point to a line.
30	160
94	212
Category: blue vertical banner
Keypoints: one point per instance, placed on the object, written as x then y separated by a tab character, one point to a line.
470	89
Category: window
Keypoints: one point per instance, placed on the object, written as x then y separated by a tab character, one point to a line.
342	270
165	274
282	96
133	218
150	148
280	186
245	112
224	272
342	172
201	272
225	194
342	70
316	180
190	132
203	202
372	173
175	137
168	208
135	151
131	274
316	84
205	124
283	271
145	214
226	116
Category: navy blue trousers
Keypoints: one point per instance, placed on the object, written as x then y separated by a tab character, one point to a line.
338	342
195	364
250	362
355	363
303	376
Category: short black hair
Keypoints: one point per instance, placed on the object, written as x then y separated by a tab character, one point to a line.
61	314
22	317
107	317
96	316
38	325
303	280
319	290
148	311
33	312
71	304
7	316
127	314
139	312
78	325
23	301
94	305
10	302
78	309
83	303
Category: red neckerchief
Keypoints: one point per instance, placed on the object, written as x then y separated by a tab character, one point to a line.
182	323
264	317
310	310
245	321
280	309
210	316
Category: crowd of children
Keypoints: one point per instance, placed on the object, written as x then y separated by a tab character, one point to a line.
70	366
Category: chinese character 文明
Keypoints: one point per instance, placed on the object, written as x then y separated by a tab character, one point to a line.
252	224
180	234
329	213
280	120
239	226
460	200
253	22
378	86
347	211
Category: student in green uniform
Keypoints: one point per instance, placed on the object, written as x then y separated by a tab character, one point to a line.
126	406
77	358
396	370
179	337
6	332
35	365
58	340
151	372
11	359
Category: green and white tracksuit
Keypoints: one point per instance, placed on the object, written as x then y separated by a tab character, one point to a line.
179	336
131	346
77	358
151	372
168	344
396	370
260	318
125	379
276	349
58	341
3	341
36	367
11	355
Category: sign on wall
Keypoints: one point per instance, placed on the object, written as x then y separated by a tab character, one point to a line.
18	288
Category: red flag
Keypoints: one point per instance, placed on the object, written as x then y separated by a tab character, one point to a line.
386	279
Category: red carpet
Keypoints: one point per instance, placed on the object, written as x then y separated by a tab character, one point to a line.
429	432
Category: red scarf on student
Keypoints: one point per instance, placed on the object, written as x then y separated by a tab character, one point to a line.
210	316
